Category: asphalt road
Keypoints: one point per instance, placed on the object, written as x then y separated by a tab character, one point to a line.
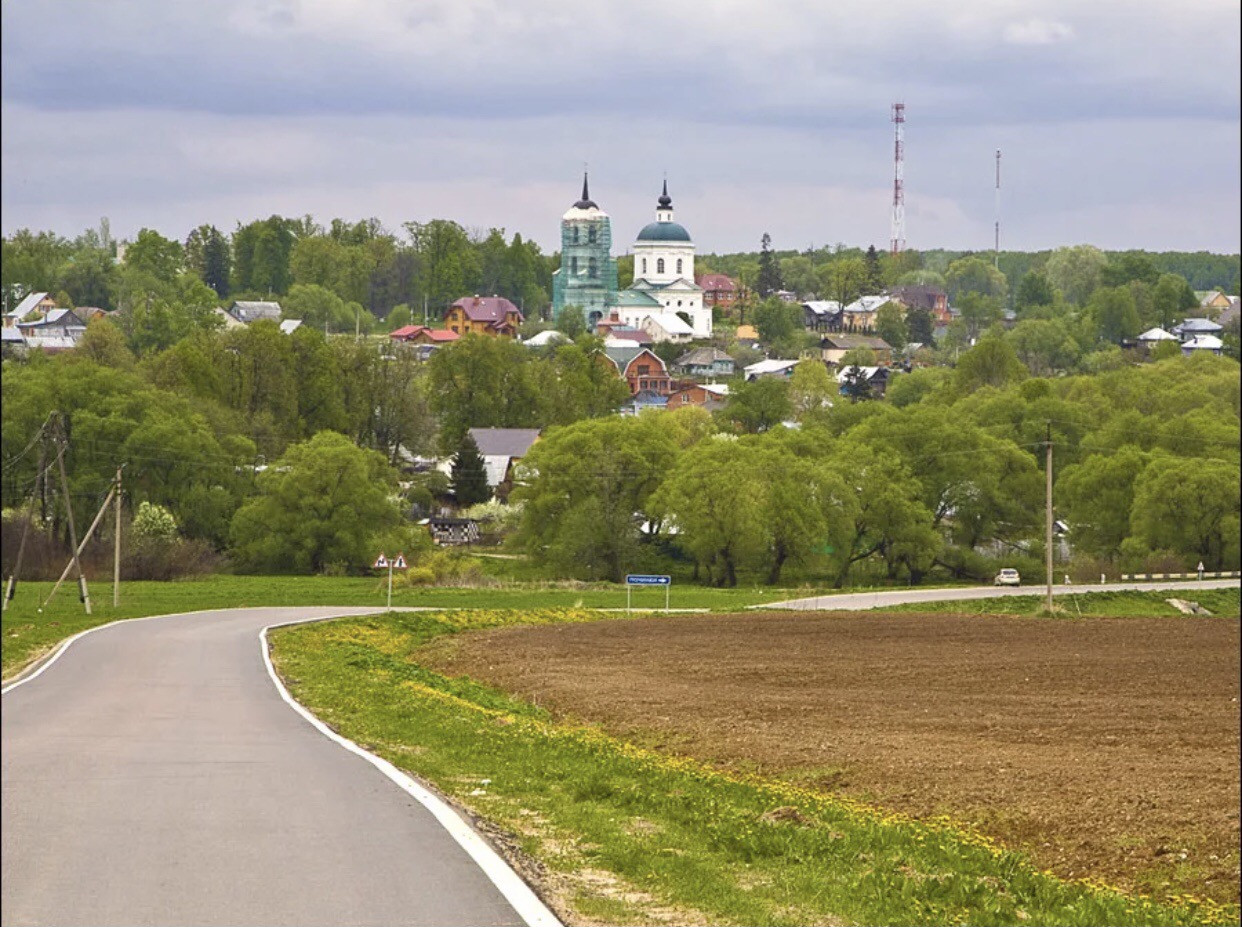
154	775
861	600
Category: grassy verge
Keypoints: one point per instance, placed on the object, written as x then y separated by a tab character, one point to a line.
27	633
1223	602
623	834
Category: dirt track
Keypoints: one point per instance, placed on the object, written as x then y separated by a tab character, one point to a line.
1106	747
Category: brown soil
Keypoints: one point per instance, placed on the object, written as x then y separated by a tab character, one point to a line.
1105	747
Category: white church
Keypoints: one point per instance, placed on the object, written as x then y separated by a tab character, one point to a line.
664	300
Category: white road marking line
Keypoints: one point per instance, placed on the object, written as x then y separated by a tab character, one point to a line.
520	895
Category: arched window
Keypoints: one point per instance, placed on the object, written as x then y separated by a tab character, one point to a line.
591	234
592	270
573	265
679	265
644	265
575	228
659	265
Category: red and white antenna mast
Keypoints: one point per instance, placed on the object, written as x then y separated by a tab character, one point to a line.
898	243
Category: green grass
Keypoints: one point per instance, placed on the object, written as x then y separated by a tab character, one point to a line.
626	834
1120	603
27	633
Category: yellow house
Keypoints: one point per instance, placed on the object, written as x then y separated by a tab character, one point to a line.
483	315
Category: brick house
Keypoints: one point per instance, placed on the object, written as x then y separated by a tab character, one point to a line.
718	290
641	369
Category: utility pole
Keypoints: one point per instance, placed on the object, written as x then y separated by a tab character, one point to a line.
1048	513
73	531
116	546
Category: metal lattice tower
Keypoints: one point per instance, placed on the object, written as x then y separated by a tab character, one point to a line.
997	245
898	243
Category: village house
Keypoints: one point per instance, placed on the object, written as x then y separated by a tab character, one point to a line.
835	346
710	396
862	382
718	290
747	336
821	315
933	299
247	311
421	334
1212	302
667	327
859	316
1153	337
59	330
1209	343
641	368
34	304
1192	328
501	449
484	315
774	368
705	362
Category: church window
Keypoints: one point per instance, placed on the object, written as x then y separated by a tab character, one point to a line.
575	234
679	265
573	264
592	270
591	234
644	265
659	265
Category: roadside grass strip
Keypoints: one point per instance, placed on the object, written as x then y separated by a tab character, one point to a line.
1222	603
614	832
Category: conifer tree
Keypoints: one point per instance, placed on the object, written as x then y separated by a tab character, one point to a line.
875	277
769	280
469	476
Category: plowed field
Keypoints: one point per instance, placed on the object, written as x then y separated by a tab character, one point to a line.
1105	747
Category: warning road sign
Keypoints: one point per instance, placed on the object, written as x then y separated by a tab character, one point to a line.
380	562
399	563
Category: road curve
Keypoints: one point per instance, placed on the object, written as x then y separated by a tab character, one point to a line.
154	775
854	601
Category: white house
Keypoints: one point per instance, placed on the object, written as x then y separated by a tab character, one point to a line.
665	326
770	368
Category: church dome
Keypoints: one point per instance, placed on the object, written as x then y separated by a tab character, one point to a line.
664	231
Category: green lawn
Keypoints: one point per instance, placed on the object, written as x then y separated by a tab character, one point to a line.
627	835
27	633
1223	602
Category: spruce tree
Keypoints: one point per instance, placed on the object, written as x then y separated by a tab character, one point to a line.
875	276
469	475
769	280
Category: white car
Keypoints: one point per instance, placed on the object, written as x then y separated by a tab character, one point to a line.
1007	577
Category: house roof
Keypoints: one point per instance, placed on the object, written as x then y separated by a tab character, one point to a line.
504	442
702	357
1206	326
545	338
493	309
410	332
626	335
715	282
866	304
26	306
670	322
822	307
1156	334
746	333
636	299
55	318
680	285
13	334
768	366
663	231
1203	343
848	341
851	372
918	297
289	326
258	308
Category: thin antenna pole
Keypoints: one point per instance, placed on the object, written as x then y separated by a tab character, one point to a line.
997	245
898	242
116	547
73	531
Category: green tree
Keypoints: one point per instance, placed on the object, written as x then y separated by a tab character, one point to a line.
991	362
875	273
890	324
482	382
104	344
399	317
1172	298
1045	346
979	312
572	322
1115	313
777	320
1075	272
89	277
469	473
1191	507
1097	496
207	254
156	255
974	275
758	405
1033	290
769	279
844	279
449	264
322	506
921	329
318	306
1128	267
811	391
584	486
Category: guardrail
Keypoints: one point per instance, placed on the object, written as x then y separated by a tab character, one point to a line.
1205	575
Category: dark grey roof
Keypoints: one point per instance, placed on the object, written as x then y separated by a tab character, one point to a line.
701	357
504	442
586	202
663	231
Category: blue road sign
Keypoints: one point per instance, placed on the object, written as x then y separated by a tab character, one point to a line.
646	579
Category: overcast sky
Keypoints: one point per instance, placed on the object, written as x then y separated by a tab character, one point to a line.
1118	121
